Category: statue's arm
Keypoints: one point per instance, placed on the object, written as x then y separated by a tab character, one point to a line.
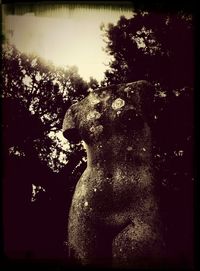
69	127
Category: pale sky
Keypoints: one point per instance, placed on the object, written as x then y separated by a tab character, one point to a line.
66	37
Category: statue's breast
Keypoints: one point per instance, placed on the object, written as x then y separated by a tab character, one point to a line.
109	112
118	109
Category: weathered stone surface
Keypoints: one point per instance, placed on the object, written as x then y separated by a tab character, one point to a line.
114	211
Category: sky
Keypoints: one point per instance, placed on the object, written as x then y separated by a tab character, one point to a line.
65	36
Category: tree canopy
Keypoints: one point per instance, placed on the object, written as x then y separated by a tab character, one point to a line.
45	92
154	46
40	168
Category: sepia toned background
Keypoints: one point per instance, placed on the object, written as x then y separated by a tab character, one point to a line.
52	56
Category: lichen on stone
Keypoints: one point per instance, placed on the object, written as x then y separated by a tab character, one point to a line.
93	99
93	115
129	148
118	103
96	130
86	203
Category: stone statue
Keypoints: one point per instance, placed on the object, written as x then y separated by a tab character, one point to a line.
114	214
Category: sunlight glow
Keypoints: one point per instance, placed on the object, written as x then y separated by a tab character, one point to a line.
66	38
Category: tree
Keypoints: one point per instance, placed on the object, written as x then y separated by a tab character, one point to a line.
46	92
35	96
161	41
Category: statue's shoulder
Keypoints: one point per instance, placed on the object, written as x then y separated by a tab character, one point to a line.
140	83
131	89
122	86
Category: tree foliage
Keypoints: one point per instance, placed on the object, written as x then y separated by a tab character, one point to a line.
154	46
35	96
45	92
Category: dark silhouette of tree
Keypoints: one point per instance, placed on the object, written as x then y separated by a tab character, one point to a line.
35	96
19	130
46	92
154	46
159	47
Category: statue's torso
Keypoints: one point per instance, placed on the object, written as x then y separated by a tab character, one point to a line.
118	177
116	191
